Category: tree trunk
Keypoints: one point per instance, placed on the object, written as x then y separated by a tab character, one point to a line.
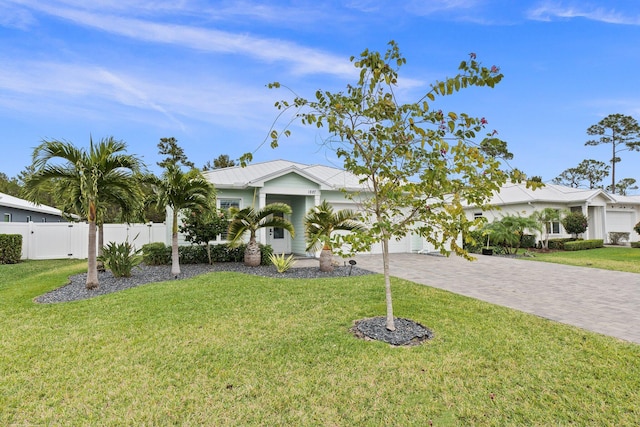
175	258
326	260
252	254
92	263
100	264
391	324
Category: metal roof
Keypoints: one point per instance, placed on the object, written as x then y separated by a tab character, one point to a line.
256	174
552	193
17	203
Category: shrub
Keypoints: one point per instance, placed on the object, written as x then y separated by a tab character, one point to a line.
580	245
10	248
281	262
635	244
156	254
120	258
575	223
474	241
528	241
160	254
194	254
559	243
616	237
636	228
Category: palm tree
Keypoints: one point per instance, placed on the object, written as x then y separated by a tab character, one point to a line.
89	179
248	219
545	218
320	222
179	191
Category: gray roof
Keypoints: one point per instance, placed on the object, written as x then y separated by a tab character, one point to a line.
17	203
550	193
256	174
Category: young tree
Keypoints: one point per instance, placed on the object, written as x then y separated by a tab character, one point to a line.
202	226
575	223
545	218
622	132
179	190
89	179
320	223
421	164
248	219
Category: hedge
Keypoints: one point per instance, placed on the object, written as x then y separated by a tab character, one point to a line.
10	248
635	244
580	245
560	243
160	254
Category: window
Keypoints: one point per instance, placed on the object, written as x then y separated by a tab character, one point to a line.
28	218
225	205
553	227
477	215
7	217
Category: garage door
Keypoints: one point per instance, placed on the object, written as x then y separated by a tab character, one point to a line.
622	222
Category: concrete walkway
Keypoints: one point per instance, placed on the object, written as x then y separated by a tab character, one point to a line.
602	301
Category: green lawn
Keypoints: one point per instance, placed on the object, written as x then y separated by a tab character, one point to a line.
231	349
609	258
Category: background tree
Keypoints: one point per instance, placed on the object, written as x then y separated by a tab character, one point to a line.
545	218
624	186
575	223
421	165
222	161
249	220
179	190
203	226
175	154
589	170
320	223
9	186
88	178
622	132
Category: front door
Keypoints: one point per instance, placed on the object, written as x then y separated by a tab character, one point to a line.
279	239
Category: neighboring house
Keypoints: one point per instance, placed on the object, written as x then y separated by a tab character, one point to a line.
301	187
14	209
606	212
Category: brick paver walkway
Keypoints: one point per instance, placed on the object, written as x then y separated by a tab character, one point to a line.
602	301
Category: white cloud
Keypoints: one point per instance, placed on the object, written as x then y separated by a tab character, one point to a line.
301	59
550	11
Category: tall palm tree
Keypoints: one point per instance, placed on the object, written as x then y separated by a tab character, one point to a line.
248	219
88	178
181	190
320	222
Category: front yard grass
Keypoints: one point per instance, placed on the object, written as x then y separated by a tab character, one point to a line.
231	349
608	258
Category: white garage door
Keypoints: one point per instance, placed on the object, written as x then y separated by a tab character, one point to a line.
620	221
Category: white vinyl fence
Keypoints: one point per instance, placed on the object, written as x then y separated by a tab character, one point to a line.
49	240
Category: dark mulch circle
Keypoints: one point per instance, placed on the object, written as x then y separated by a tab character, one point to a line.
407	331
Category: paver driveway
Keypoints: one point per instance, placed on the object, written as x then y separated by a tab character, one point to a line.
602	301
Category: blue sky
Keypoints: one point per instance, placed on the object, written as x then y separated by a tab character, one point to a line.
197	70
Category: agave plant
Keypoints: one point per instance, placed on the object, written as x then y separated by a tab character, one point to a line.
320	222
251	220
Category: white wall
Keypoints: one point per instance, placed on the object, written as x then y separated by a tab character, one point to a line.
69	240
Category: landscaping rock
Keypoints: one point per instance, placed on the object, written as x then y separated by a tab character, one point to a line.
143	274
407	331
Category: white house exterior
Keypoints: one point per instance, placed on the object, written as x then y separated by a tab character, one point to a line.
301	187
606	212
